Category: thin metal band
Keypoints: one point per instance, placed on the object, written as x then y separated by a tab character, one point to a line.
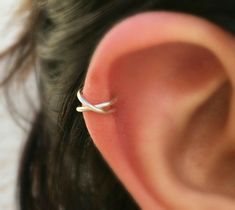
101	108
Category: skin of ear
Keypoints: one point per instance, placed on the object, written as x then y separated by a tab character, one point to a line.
171	138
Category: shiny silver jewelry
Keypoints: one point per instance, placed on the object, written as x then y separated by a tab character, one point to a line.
102	108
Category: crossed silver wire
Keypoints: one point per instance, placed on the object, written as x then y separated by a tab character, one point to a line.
87	106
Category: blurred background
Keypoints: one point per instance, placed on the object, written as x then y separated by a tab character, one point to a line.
12	136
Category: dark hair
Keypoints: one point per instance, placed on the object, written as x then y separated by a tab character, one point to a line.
61	169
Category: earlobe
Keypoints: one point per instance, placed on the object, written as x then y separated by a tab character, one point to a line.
172	75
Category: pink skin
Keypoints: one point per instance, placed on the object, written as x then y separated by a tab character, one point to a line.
166	150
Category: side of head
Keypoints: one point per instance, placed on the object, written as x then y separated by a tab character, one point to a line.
169	144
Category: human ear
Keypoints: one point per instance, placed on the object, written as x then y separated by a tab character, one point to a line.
170	140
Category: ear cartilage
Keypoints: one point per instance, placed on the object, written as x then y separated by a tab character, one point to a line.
102	108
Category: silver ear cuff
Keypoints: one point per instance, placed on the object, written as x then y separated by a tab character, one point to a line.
102	108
